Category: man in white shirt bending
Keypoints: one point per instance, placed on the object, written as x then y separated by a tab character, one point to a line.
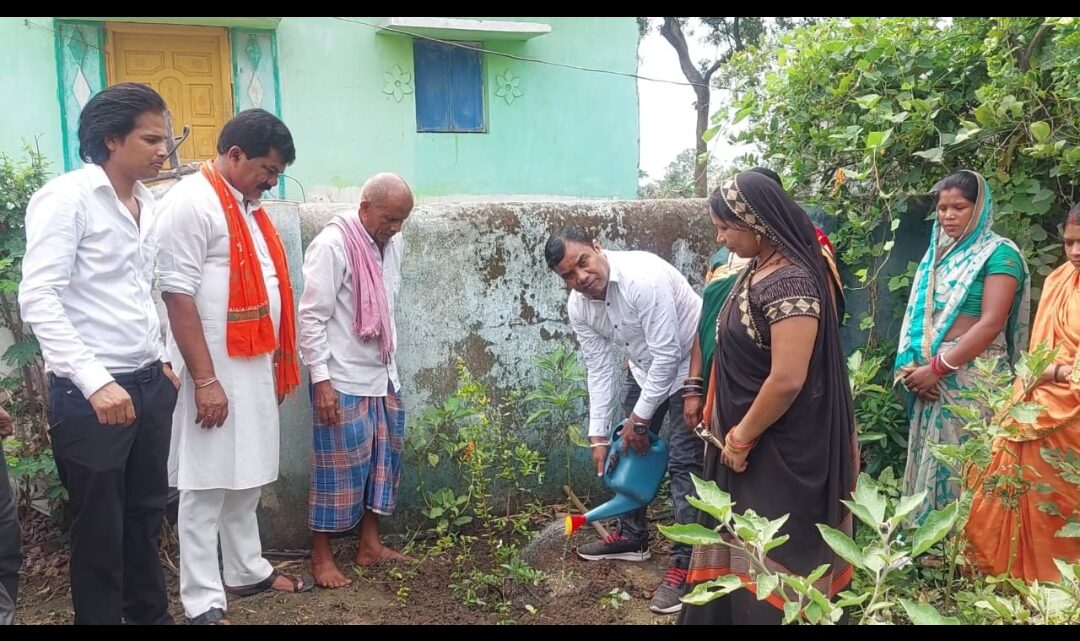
352	273
635	302
85	292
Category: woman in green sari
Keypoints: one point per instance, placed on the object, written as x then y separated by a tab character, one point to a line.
970	300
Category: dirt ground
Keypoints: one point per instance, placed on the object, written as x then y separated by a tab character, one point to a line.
574	592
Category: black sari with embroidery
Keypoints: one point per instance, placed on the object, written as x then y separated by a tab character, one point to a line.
804	464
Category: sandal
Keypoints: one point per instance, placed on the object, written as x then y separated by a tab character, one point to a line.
213	616
299	584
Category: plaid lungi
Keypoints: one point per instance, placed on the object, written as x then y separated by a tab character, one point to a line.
356	465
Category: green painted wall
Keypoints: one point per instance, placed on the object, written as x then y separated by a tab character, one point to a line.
570	133
566	132
29	87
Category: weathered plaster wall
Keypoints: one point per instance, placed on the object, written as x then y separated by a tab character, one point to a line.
475	285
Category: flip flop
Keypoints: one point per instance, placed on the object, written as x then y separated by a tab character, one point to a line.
299	584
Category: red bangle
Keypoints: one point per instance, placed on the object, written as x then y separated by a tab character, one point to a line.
736	445
939	367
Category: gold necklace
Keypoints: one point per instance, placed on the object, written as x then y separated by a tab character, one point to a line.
776	257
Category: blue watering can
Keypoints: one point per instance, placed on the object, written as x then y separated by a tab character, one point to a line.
635	480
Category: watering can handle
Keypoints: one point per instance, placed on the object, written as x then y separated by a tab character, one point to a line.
616	450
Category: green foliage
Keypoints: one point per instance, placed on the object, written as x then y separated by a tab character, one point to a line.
489	505
614	599
34	477
471	432
19	179
878	557
864	115
887	587
557	403
1067	465
678	178
993	402
879	417
29	456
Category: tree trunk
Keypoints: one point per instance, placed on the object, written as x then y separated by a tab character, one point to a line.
672	32
701	174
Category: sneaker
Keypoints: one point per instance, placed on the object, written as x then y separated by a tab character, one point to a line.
615	546
666	598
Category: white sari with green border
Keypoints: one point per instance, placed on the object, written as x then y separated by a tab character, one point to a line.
942	283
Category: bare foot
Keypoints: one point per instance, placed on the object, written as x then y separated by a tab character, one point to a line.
327	574
366	556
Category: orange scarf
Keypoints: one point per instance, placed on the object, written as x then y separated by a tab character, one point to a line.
249	330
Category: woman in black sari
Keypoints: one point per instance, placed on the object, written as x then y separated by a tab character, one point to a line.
782	401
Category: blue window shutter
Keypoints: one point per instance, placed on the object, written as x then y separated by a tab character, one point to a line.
449	88
466	90
432	66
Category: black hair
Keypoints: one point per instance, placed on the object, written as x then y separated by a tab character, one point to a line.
965	181
256	132
113	112
555	249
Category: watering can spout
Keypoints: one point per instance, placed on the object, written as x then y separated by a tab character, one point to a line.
619	504
573	522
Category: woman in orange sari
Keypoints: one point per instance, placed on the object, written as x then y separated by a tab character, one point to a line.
1008	531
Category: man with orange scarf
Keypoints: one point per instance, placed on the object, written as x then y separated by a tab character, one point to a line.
225	283
1010	531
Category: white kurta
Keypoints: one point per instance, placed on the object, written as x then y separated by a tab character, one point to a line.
193	259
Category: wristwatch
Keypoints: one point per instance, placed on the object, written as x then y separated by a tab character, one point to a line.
641	428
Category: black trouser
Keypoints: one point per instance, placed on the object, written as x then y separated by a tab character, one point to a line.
686	453
10	547
117	481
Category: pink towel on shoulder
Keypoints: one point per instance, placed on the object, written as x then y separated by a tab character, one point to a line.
372	320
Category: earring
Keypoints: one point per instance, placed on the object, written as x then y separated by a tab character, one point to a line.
757	237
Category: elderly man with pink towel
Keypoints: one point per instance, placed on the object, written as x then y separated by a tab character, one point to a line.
352	272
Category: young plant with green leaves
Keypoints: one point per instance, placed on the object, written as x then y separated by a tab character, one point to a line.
558	399
881	420
878	558
995	399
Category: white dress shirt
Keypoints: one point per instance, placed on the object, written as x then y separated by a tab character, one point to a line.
328	344
87	275
652	312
